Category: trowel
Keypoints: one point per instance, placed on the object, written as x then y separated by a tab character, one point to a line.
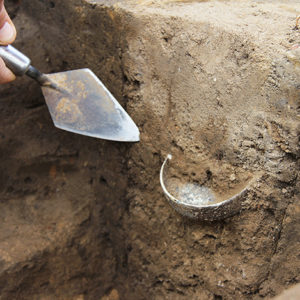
77	100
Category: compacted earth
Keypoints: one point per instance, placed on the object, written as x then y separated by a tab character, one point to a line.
214	83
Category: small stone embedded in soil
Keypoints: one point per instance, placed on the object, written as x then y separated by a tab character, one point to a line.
248	144
195	194
113	295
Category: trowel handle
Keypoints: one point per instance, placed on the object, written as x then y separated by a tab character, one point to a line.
16	61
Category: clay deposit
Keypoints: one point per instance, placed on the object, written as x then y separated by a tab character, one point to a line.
215	83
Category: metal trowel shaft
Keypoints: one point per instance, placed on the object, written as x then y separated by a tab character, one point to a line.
20	64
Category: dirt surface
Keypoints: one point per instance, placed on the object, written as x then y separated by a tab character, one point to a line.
214	83
290	294
59	193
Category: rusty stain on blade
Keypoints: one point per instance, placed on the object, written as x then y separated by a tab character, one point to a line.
82	104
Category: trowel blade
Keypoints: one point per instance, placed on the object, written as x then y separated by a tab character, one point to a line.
79	102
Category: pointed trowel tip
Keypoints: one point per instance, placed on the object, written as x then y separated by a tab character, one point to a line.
133	136
136	138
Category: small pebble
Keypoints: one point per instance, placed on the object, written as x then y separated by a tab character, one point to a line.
232	177
248	143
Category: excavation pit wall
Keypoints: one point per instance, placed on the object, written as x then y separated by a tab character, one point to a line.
216	84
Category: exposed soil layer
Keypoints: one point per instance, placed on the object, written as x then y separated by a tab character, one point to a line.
216	84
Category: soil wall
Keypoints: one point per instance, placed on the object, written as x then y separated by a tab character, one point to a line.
216	84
